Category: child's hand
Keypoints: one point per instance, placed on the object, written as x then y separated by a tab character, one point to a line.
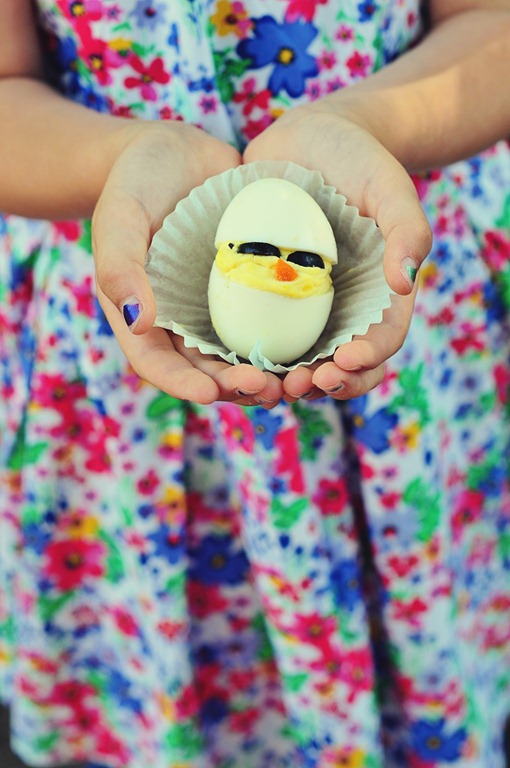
358	166
159	165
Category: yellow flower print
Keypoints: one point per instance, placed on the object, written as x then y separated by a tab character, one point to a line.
231	18
121	46
345	758
79	525
406	437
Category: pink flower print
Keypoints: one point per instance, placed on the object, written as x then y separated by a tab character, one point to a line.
81	10
71	562
71	693
208	104
238	429
302	9
409	612
327	60
344	33
251	97
153	73
358	64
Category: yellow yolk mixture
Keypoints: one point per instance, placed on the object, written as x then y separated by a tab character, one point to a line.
261	272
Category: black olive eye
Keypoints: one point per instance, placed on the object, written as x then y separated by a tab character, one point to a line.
259	249
306	259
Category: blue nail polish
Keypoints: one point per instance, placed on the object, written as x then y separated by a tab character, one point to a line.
131	313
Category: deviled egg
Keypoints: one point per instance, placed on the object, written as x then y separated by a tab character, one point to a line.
270	285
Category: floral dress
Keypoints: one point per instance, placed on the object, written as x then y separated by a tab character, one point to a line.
323	585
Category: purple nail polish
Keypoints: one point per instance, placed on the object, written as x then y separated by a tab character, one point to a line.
131	312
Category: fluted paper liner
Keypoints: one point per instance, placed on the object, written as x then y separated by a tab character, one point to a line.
182	252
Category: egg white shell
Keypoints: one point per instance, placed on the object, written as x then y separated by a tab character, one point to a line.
279	212
284	328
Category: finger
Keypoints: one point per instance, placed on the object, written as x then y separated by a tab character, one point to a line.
121	235
298	383
406	232
155	359
350	383
381	341
241	383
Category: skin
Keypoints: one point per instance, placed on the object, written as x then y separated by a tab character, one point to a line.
443	101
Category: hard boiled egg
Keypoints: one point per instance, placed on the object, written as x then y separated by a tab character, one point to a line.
270	288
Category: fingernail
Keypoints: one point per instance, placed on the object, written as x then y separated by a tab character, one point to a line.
307	394
337	388
242	393
409	268
132	310
264	401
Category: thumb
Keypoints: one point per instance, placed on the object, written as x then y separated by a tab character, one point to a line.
121	233
407	236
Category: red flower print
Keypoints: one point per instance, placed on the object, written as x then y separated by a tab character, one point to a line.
357	672
238	428
84	296
71	693
331	497
403	565
358	65
344	33
243	721
254	127
327	60
312	628
153	73
288	463
125	622
204	600
252	98
468	509
302	9
410	612
100	58
148	483
496	250
71	562
171	629
186	705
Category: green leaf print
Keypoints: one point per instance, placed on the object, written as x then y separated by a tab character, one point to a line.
425	500
413	393
504	221
184	738
226	70
161	405
294	682
23	454
49	606
286	516
313	428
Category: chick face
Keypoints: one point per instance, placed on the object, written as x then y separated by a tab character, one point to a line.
264	266
270	284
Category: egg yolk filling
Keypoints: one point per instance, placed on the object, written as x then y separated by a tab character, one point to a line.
273	273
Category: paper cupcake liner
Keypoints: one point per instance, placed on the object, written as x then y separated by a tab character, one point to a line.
182	252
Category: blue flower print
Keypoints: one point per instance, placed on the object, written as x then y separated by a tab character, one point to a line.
149	14
284	46
167	544
433	744
345	580
367	9
266	426
216	561
372	431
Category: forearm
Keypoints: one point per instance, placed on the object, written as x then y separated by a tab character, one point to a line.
444	100
55	155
